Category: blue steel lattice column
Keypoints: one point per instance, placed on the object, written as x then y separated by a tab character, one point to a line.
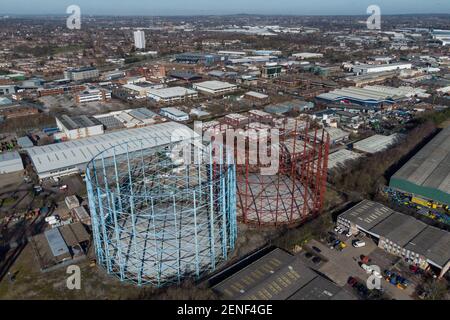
157	219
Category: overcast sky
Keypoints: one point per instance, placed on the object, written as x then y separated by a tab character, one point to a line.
201	7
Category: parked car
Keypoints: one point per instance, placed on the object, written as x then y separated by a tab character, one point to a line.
316	260
348	234
308	255
316	249
337	229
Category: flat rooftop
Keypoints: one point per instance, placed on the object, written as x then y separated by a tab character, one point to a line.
215	85
367	214
404	230
78	122
277	275
432	243
430	167
339	158
172	92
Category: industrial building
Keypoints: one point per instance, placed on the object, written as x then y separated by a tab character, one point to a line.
174	114
71	157
130	118
376	143
79	126
215	87
307	55
336	135
370	68
399	234
427	174
278	275
156	218
10	162
194	58
172	94
340	158
61	245
81	74
370	95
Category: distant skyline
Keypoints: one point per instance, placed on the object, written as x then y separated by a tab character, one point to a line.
214	7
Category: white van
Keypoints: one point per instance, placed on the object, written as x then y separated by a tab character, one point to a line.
359	244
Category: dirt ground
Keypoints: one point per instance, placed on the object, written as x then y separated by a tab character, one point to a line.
30	283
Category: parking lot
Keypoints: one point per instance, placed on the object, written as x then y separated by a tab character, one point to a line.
340	265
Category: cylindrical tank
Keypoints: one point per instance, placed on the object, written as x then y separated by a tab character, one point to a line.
157	218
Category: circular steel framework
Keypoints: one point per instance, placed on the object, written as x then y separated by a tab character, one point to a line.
158	218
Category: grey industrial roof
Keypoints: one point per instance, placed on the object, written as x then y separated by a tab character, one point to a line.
321	289
432	243
279	275
110	122
340	157
56	242
25	142
405	231
73	123
276	275
174	111
430	167
78	152
399	228
376	143
9	156
367	214
142	113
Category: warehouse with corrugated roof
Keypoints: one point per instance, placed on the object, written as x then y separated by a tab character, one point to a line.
66	158
427	174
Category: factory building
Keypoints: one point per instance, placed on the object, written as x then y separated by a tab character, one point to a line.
81	74
340	158
307	55
399	234
71	157
215	87
376	143
370	68
174	114
277	275
10	162
79	127
131	118
195	58
370	95
60	246
427	174
172	94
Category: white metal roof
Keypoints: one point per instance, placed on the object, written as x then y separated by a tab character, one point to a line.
58	156
214	85
171	92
